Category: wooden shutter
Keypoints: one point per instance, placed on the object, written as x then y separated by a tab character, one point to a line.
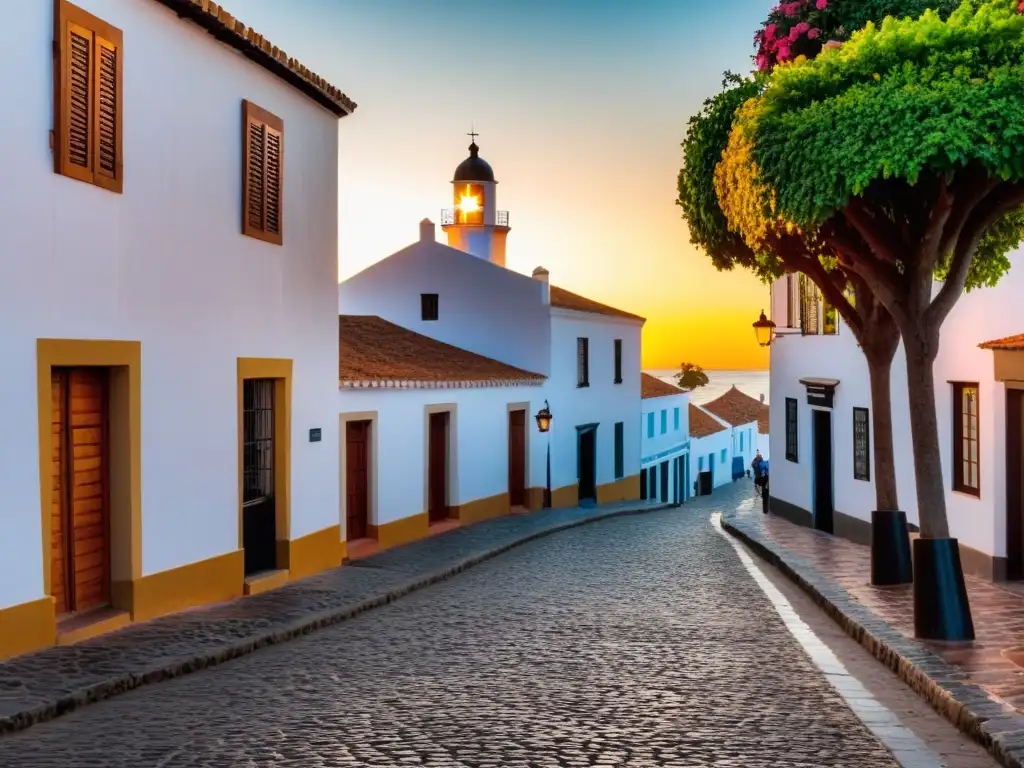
88	73
262	174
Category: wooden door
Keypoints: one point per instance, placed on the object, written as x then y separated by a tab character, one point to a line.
587	453
80	517
437	468
822	470
517	458
1015	484
357	477
259	508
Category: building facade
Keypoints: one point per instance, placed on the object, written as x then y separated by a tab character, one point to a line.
742	414
168	299
822	473
665	441
710	451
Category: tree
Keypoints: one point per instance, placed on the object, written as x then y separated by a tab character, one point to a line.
690	377
769	247
903	151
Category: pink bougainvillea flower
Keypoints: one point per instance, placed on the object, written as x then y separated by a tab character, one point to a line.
763	63
812	34
783	52
821	5
771	29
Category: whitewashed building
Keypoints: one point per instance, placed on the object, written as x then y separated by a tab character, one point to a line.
741	413
710	451
822	473
170	326
665	441
585	355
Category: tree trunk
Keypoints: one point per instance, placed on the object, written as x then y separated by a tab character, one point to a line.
879	371
924	431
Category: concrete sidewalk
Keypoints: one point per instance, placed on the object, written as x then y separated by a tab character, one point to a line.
977	686
43	685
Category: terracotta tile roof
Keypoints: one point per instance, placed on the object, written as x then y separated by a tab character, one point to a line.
1013	343
735	407
376	353
652	386
225	27
703	424
569	300
762	419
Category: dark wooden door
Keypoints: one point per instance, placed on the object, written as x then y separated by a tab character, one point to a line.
823	510
259	524
80	516
664	482
437	468
588	465
517	458
357	479
1014	484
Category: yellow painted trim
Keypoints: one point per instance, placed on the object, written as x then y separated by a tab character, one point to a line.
403	531
264	582
482	509
452	410
109	623
214	580
27	627
280	370
534	498
315	552
566	496
623	489
343	552
373	418
124	359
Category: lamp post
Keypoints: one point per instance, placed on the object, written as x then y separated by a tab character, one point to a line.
764	329
543	418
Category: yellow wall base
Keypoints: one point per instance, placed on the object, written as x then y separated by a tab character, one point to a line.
624	489
313	553
534	499
402	531
208	581
27	627
566	496
481	509
264	582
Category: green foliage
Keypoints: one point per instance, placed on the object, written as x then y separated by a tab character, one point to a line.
706	138
913	96
690	377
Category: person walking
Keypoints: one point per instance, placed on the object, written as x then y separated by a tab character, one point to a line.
757	465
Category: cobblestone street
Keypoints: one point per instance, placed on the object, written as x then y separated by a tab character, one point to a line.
635	641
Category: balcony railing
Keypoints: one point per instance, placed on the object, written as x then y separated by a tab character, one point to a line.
448	218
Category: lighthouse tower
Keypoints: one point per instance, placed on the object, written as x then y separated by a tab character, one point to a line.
473	223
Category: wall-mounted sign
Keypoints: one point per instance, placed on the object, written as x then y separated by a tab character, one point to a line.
315	435
820	392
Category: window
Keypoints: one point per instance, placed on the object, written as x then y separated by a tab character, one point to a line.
88	96
791	432
675	419
650	424
262	171
428	306
618	361
619	449
643	484
664	422
808	307
966	467
861	445
741	442
700	463
829	319
582	362
724	455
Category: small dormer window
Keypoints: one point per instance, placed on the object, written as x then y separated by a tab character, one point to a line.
428	306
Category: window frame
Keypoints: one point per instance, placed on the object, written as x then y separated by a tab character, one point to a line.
65	15
253	113
430	307
650	424
582	362
664	421
864	474
792	430
959	485
675	419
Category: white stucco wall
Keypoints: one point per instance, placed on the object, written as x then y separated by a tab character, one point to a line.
764	446
603	401
743	443
164	263
482	307
703	448
673	437
979	316
479	435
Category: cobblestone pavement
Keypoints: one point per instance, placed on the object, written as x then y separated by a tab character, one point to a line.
638	641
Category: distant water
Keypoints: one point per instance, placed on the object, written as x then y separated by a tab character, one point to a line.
753	383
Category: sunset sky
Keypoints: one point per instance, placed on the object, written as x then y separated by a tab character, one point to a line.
581	106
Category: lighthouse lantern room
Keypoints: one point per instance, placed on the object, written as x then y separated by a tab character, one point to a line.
472	223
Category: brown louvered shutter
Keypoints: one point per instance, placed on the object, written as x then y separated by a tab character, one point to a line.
87	104
263	175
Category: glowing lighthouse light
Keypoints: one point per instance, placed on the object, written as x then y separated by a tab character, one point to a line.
468	202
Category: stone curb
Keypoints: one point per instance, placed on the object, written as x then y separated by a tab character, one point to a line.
988	721
166	671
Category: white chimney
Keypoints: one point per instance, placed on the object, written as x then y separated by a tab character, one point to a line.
427	233
540	274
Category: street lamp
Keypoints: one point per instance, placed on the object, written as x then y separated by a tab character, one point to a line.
543	418
764	329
